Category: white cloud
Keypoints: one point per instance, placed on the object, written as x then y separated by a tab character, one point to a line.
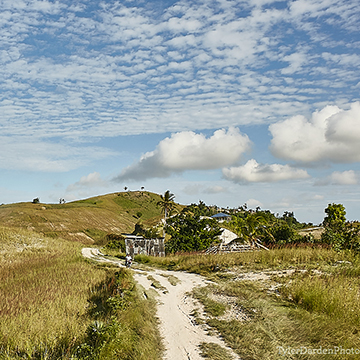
254	172
105	59
253	203
331	134
92	180
296	62
189	151
216	189
23	153
344	127
349	177
344	178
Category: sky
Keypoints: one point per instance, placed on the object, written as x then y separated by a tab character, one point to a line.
224	101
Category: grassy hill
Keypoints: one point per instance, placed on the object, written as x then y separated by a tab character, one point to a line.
86	220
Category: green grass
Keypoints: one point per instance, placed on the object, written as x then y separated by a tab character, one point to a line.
211	306
156	284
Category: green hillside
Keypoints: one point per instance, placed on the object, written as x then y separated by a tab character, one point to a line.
86	220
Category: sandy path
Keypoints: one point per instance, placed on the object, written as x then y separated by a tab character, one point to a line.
181	335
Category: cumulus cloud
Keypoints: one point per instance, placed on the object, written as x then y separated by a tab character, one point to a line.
349	177
252	171
189	151
331	134
253	203
92	180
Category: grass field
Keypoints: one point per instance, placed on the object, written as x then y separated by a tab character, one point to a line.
56	305
267	304
86	221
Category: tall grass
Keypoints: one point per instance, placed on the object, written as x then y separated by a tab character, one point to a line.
44	287
315	307
52	299
252	260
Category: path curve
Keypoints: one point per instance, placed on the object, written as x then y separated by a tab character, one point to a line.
181	335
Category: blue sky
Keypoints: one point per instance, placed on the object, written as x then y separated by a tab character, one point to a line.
228	102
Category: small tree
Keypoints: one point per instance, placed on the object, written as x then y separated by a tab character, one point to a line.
335	217
339	233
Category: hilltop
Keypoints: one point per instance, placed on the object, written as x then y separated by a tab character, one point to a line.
86	220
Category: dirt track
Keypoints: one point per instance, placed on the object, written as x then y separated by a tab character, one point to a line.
181	335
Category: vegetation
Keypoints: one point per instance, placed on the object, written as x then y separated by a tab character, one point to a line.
214	352
339	233
87	221
304	293
191	233
298	297
56	305
167	203
251	228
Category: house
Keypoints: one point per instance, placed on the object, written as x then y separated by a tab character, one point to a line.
136	245
221	217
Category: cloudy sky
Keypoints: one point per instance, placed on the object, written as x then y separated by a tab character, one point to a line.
226	101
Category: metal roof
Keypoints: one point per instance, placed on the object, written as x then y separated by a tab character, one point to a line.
219	215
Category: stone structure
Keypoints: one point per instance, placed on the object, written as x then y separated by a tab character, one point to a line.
136	245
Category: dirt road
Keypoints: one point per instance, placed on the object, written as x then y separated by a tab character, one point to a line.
181	335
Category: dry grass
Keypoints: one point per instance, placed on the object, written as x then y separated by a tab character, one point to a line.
44	288
317	306
284	258
48	293
87	220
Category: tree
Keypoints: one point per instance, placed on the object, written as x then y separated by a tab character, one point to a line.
339	233
251	228
283	234
191	233
166	203
290	219
200	209
335	216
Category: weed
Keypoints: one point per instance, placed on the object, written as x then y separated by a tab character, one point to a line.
213	351
173	280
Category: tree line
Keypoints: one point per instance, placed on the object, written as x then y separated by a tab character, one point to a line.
193	229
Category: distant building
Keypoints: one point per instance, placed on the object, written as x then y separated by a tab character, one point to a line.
221	217
137	245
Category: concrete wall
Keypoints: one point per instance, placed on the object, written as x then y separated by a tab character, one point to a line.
136	245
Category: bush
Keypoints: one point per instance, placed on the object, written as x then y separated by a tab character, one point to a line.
115	242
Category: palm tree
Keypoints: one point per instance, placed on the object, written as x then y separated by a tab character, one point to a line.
167	204
253	226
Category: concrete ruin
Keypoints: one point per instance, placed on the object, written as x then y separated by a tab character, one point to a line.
138	245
